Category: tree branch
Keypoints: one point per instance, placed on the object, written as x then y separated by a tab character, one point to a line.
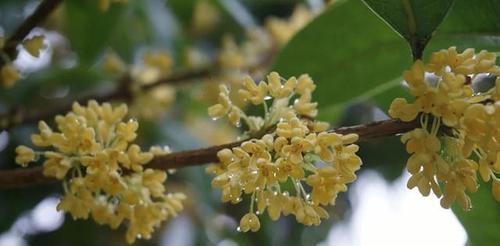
19	178
41	13
19	116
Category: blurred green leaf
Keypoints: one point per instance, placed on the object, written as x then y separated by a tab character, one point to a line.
90	29
134	30
387	156
415	20
49	84
183	10
263	9
482	222
350	53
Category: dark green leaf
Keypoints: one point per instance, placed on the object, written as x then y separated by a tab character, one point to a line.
368	63
482	222
184	10
42	87
351	55
470	24
90	29
415	20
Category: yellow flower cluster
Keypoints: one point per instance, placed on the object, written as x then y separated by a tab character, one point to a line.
151	103
459	126
296	167
102	172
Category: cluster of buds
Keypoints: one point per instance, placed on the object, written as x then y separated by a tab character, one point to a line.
102	172
459	126
153	102
292	148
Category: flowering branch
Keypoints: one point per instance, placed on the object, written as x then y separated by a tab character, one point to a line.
41	13
18	115
19	178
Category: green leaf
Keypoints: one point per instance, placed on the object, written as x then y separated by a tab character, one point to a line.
358	57
351	54
89	29
414	20
183	10
387	156
50	85
482	222
470	24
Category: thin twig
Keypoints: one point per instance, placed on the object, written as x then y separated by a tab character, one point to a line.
19	178
40	14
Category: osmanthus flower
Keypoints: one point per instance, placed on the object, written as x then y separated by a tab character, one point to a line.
291	165
150	103
230	56
206	16
103	173
113	64
9	75
282	30
34	45
459	129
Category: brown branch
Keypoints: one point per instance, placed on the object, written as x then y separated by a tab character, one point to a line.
19	116
23	177
19	178
41	13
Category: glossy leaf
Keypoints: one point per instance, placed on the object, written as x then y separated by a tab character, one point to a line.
470	24
90	29
483	220
350	53
414	20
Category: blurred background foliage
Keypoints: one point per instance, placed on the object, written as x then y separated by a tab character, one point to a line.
354	50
